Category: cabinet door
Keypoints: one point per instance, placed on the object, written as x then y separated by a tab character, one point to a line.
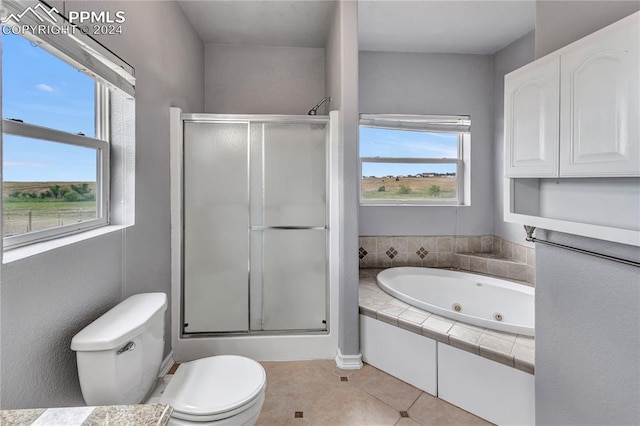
531	111
599	103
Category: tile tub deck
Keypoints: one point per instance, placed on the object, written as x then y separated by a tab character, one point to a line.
513	350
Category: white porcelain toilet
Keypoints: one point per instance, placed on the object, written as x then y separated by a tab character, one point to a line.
119	357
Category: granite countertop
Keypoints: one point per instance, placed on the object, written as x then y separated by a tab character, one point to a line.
513	350
116	415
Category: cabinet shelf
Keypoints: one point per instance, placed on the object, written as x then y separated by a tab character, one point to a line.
601	208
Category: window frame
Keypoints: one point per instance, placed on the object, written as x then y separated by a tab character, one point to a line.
115	94
103	164
413	124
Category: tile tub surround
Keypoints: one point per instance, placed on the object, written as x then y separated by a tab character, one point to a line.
486	254
509	349
139	415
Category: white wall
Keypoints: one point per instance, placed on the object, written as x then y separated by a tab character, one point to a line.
587	335
418	83
511	57
48	298
587	309
342	87
263	79
560	22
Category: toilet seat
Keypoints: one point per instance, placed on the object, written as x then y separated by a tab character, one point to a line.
214	388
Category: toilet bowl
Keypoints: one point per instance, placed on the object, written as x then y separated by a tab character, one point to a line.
119	357
235	397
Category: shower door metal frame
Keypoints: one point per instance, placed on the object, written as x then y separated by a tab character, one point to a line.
250	119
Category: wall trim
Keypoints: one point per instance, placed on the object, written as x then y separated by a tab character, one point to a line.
166	365
348	362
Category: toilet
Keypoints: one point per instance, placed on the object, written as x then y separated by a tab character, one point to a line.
119	357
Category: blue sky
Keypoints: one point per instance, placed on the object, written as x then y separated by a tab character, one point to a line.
40	89
376	142
43	90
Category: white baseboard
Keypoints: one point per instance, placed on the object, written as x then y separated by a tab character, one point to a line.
166	365
348	362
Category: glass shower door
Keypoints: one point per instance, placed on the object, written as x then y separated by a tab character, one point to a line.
289	232
216	220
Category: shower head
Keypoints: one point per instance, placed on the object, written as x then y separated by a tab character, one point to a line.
314	110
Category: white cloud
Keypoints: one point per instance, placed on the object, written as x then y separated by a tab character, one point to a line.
45	87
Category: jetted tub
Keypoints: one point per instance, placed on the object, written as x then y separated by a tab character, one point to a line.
474	299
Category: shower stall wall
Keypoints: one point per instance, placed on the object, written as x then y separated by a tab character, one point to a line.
254	229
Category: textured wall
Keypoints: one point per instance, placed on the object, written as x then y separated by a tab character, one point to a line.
587	339
342	86
418	83
587	309
560	22
263	80
512	57
47	298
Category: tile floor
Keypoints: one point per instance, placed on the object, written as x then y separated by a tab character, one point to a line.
317	393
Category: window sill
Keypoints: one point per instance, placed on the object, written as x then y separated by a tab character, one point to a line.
24	252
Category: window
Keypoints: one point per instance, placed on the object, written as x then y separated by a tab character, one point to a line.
55	165
57	137
413	159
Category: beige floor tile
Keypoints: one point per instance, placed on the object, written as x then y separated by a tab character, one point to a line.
429	410
299	383
294	373
350	406
301	397
393	392
407	421
330	366
369	397
276	411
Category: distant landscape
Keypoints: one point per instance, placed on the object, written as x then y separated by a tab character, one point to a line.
32	206
441	188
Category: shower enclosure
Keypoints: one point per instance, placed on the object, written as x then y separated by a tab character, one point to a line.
254	231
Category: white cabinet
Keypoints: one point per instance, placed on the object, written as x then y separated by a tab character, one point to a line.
599	95
531	119
572	140
594	131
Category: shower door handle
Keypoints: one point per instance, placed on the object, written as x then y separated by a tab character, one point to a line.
290	228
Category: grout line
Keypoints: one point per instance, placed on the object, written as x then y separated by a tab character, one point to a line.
414	402
385	403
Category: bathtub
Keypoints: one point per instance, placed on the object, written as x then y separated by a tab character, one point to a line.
474	299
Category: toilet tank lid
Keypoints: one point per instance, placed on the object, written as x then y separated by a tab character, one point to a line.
121	323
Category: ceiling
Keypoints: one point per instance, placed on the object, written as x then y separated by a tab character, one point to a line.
452	26
295	23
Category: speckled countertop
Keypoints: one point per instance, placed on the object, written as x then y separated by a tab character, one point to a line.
513	350
114	415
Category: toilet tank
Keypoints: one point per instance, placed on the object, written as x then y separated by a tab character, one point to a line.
119	354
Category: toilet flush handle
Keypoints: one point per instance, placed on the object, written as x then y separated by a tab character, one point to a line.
128	347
